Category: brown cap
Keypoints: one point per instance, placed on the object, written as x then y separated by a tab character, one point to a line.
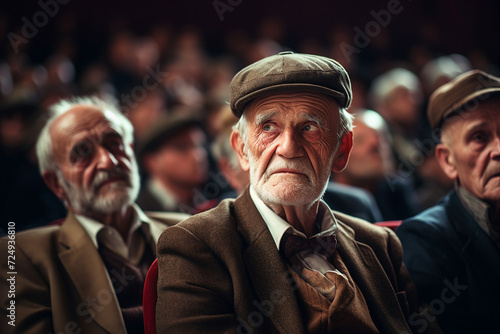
288	70
167	127
459	93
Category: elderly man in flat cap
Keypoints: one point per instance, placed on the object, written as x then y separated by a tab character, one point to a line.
277	259
452	250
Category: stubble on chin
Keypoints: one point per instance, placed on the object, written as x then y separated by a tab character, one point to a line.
286	189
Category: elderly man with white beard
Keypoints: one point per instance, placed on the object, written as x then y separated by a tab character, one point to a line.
85	275
277	259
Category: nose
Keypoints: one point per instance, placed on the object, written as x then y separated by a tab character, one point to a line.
289	146
495	152
105	159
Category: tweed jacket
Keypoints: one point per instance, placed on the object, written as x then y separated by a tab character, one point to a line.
455	266
220	272
62	285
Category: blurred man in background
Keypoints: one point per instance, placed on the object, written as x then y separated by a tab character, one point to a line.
87	274
175	159
372	168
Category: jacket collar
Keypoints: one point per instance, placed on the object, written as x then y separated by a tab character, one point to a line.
479	251
368	274
266	269
270	276
84	266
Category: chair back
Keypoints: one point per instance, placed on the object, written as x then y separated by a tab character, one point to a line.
392	224
149	299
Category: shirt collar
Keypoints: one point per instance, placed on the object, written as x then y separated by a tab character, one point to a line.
278	226
477	208
92	226
166	198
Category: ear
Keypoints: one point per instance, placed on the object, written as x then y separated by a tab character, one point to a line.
342	154
53	183
238	146
447	161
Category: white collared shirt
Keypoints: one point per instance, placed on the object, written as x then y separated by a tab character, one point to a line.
278	227
92	227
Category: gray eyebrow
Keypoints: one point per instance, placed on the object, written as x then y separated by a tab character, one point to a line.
262	118
312	118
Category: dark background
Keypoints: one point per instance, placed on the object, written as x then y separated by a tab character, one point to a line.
83	30
451	26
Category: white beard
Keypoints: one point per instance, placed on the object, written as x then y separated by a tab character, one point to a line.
117	196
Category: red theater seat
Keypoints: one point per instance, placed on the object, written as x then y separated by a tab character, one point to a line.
149	299
392	224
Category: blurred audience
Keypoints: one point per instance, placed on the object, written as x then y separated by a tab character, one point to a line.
175	159
397	95
146	111
441	70
371	167
227	160
165	70
25	199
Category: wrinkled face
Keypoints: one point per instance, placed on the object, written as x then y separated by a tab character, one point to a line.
471	151
182	159
365	162
96	168
291	144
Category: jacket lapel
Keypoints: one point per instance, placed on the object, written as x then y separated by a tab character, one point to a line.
266	269
371	279
270	276
87	271
477	248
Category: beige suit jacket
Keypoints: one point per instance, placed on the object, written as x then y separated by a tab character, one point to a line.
62	285
220	272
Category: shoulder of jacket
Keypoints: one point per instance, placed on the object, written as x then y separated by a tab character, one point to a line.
38	242
217	223
167	218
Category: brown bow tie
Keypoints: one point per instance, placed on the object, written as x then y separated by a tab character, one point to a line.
291	244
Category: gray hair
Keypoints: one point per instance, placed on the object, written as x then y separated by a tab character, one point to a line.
385	84
44	143
221	148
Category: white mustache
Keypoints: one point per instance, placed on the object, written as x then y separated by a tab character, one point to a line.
103	176
301	166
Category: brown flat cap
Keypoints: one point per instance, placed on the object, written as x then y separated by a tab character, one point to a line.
288	70
167	127
467	89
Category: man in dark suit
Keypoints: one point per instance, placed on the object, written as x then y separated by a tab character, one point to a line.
86	275
353	201
239	268
452	249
